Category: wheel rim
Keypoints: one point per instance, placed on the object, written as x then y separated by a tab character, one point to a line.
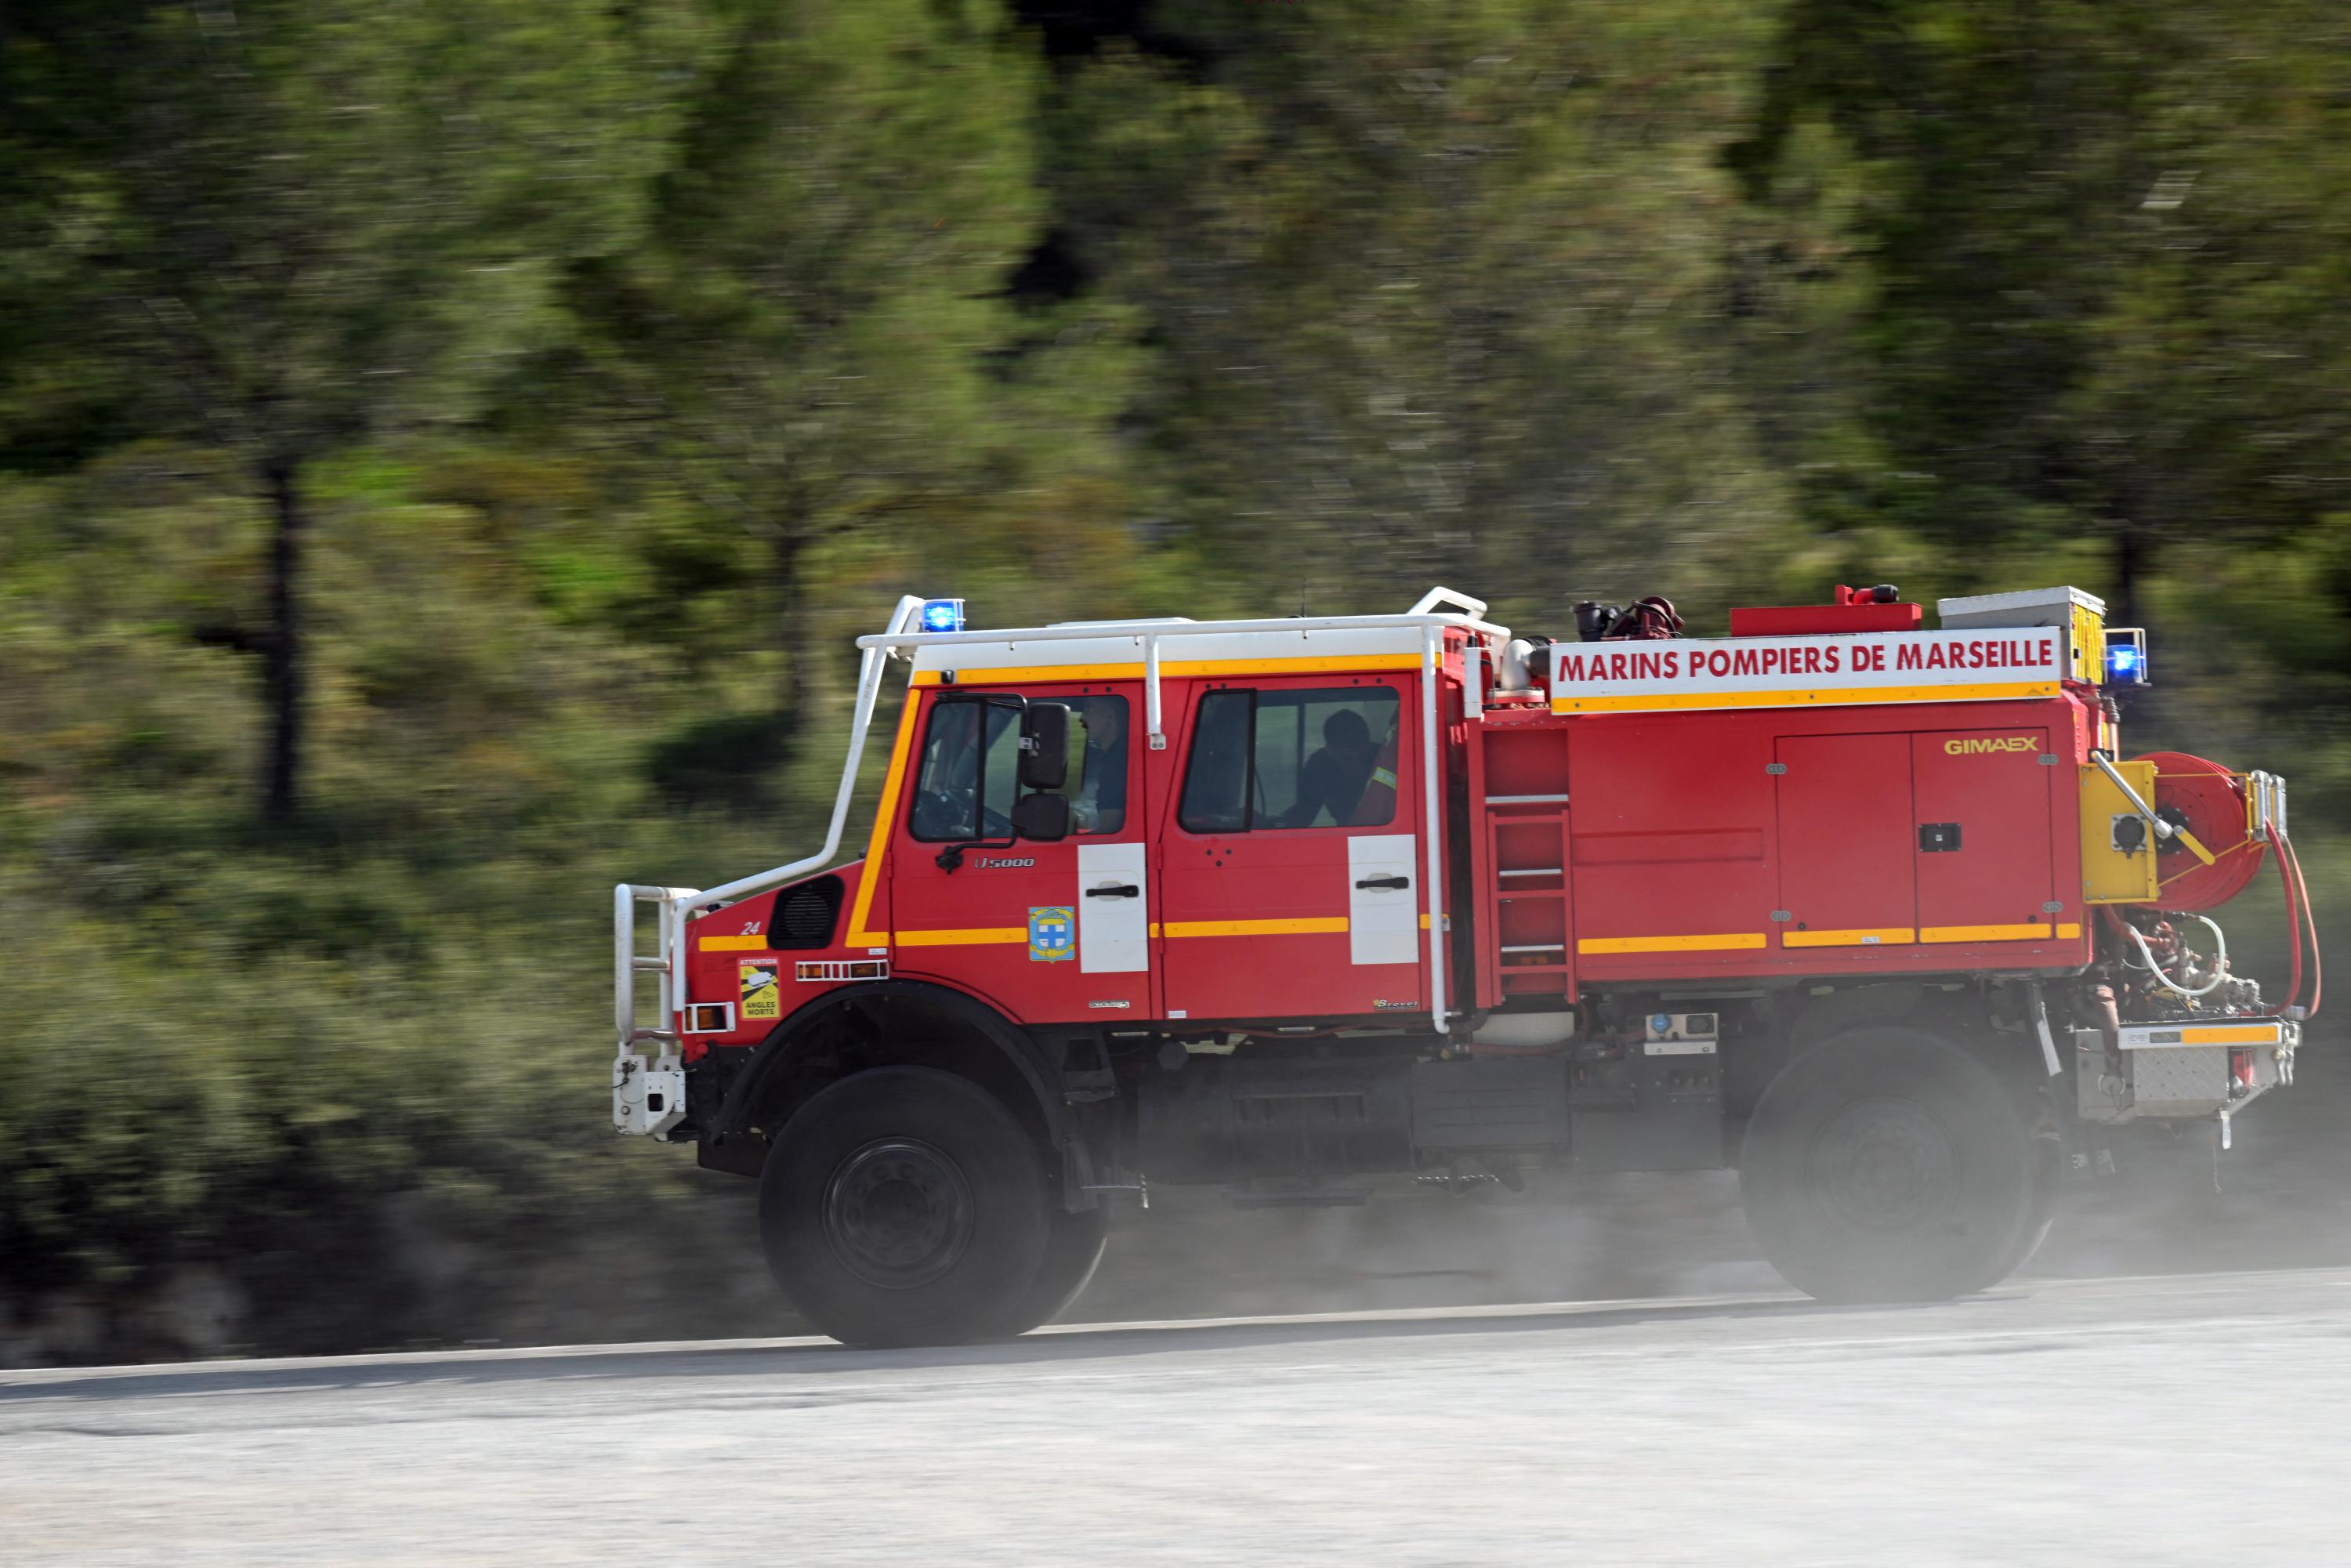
898	1213
1886	1165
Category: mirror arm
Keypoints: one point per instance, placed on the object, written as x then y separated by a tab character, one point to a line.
950	859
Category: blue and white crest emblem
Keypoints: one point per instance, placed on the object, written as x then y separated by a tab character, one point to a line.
1052	933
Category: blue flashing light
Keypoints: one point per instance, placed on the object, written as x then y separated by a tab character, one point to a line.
2125	657
943	615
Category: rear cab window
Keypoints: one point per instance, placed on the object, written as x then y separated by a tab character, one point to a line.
1310	758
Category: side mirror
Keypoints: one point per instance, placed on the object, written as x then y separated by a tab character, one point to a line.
1044	817
1044	748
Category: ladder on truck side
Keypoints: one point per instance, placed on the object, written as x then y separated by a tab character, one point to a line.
1524	843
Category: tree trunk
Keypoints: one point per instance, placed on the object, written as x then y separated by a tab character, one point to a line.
2134	562
791	542
282	680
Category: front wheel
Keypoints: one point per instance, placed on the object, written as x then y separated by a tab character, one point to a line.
1890	1164
905	1205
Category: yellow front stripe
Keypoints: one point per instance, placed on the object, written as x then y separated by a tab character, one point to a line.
884	816
973	938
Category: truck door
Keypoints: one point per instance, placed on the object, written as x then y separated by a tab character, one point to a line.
1986	873
1051	933
1291	869
1846	841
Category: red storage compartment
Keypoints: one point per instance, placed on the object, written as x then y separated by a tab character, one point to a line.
1845	856
1985	868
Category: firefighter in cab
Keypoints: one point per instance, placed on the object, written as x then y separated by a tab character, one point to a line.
1347	776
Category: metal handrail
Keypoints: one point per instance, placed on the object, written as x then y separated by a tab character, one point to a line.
628	963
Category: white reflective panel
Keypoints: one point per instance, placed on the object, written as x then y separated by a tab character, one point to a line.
1113	926
1384	919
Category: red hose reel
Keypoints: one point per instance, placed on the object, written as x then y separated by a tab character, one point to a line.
2208	800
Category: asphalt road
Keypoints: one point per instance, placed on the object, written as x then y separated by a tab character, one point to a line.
2197	1419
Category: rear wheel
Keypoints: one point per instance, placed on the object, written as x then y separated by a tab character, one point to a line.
1071	1254
905	1205
1890	1164
2048	1179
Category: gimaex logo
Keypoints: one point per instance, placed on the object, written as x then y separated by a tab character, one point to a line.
1978	745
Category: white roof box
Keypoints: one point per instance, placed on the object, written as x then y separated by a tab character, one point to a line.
2031	607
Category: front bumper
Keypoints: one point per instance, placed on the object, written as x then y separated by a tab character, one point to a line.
648	1099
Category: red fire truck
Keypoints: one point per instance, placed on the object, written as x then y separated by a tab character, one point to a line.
1876	913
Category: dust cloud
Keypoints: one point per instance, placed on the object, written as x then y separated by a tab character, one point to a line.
2279	1198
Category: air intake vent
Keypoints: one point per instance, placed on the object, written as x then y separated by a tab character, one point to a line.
805	914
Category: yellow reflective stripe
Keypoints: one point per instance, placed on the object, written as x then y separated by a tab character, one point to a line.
2069	930
1824	698
2242	1034
892	782
982	675
975	936
1382	776
1719	941
1315	925
748	943
2039	930
1869	938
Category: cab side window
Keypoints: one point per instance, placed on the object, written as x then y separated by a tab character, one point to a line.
1097	776
971	755
1313	759
970	771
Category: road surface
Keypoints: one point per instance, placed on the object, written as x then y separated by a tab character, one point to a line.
2194	1420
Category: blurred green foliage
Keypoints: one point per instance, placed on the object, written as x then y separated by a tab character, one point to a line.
611	369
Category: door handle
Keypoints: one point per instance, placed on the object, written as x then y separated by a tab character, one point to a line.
1121	889
1385	882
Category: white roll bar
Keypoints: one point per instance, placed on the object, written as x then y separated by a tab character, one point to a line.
1148	635
1437	596
1432	817
678	903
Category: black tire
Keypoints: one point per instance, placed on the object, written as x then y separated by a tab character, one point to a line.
2048	1181
1890	1164
1071	1255
903	1206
